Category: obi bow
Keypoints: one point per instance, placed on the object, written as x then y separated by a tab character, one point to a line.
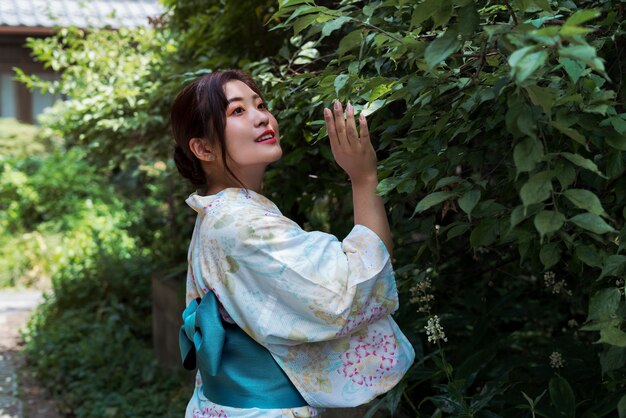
202	335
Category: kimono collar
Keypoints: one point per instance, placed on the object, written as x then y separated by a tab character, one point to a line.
204	204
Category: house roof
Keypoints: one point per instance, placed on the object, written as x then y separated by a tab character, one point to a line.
82	13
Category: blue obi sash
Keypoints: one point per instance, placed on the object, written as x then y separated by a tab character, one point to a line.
236	371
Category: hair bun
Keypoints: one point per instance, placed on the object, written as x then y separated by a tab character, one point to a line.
191	169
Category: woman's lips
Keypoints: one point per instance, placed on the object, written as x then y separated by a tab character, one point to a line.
268	141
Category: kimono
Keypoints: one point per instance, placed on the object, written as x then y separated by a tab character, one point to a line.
320	306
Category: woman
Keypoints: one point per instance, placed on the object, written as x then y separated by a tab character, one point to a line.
280	322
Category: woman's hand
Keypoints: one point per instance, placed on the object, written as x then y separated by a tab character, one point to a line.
357	157
354	154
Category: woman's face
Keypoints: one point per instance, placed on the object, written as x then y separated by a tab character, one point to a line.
251	131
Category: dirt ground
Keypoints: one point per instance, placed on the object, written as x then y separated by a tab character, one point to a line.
20	394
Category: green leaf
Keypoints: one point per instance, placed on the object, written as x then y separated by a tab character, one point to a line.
340	82
407	186
289	3
331	26
432	200
387	185
583	162
446	181
543	5
443	13
618	123
613	358
572	133
613	336
548	221
526	61
581	16
469	19
604	303
616	141
550	254
441	48
584	53
429	174
424	11
349	42
562	396
484	234
537	189
303	23
519	214
573	68
457	230
527	154
541	96
615	165
614	265
588	255
584	199
565	173
592	222
468	201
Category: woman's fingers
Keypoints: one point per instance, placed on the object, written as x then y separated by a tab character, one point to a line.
351	134
340	124
364	130
330	127
342	131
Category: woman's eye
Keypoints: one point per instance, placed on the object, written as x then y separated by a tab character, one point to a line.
262	106
238	110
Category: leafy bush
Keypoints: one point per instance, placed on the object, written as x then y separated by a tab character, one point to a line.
56	210
19	139
501	136
89	343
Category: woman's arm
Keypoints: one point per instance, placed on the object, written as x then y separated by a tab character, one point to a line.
356	156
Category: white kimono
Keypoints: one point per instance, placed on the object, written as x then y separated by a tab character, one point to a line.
320	306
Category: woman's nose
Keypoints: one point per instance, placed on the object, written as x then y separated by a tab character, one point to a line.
261	118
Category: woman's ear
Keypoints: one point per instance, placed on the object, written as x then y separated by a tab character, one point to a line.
200	149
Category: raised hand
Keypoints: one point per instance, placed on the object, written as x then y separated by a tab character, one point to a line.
353	152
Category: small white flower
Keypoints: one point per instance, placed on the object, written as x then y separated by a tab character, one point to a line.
434	330
421	294
549	279
572	323
556	360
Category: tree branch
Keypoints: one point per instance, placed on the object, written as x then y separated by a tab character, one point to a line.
511	11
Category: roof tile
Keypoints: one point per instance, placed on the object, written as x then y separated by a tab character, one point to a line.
81	13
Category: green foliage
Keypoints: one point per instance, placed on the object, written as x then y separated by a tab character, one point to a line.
501	143
20	139
90	343
107	75
56	210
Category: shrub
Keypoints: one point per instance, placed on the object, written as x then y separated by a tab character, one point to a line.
89	343
19	139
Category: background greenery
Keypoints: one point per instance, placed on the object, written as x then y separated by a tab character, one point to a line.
500	131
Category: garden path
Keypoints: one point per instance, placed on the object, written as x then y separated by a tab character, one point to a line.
20	396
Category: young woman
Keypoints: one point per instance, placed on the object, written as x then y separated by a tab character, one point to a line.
280	322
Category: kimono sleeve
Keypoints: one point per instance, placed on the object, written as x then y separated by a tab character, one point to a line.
284	285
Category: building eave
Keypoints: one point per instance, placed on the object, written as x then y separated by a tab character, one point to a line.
27	30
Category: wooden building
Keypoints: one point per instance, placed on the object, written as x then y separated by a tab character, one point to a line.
20	19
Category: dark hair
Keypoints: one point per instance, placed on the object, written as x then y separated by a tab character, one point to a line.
199	111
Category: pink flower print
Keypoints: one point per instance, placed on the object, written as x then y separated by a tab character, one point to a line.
211	412
368	361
